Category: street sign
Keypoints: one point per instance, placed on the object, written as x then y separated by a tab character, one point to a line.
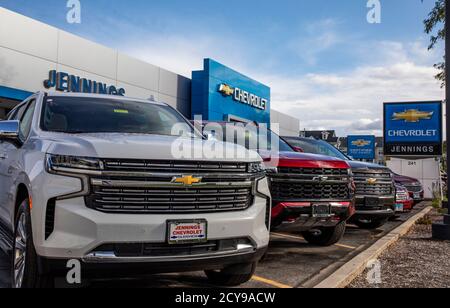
413	129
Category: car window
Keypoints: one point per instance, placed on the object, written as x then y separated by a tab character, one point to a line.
313	146
83	115
27	119
17	113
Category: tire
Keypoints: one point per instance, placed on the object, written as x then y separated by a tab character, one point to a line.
232	276
327	236
370	224
24	260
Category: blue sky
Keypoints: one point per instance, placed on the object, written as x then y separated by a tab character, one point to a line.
324	62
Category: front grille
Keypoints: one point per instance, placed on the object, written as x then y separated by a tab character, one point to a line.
173	166
166	250
310	184
291	191
163	200
414	188
367	186
313	171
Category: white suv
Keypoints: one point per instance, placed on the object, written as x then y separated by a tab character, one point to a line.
94	178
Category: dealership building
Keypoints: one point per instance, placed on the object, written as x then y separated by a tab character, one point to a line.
37	57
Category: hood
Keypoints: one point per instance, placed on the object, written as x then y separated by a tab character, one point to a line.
401	179
302	160
151	147
362	165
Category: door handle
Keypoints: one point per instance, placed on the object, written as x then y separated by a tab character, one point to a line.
3	156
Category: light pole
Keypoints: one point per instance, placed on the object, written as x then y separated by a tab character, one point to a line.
442	230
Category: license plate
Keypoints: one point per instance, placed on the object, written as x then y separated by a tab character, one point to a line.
371	202
399	208
187	231
321	210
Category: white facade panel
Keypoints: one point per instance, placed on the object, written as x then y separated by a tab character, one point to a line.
138	73
28	35
22	71
137	92
84	74
427	171
88	56
174	85
288	125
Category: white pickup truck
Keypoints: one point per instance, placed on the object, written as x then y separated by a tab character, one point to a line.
94	178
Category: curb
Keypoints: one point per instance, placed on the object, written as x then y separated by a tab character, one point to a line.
355	267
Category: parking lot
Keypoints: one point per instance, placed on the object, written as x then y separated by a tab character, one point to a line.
290	262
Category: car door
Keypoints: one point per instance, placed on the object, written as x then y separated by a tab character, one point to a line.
9	168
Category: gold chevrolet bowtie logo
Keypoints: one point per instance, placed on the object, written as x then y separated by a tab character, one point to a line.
226	89
372	181
186	180
360	143
412	115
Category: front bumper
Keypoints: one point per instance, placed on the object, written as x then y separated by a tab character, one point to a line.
78	230
299	216
108	268
374	207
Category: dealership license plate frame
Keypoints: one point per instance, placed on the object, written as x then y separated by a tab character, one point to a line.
199	240
318	210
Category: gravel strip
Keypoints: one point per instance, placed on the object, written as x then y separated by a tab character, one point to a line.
415	261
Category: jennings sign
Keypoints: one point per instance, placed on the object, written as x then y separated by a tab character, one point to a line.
70	83
361	147
413	129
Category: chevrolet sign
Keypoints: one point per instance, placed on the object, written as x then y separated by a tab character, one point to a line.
413	129
243	97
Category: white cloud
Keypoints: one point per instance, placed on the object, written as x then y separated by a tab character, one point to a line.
350	101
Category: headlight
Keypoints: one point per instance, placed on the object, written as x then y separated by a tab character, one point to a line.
256	167
55	162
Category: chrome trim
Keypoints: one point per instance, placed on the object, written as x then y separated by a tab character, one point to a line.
110	257
142	184
152	174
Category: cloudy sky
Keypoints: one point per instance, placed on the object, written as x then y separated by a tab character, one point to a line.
324	62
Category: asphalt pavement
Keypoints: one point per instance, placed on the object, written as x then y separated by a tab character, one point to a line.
290	263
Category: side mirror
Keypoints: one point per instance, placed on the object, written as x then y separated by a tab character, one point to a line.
298	149
10	132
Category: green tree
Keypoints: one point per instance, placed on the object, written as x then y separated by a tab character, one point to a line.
435	27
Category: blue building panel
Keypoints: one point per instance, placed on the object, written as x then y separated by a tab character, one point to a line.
220	93
14	94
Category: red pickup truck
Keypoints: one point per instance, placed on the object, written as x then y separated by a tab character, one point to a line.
311	194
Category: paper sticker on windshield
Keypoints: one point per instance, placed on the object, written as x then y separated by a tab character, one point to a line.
123	111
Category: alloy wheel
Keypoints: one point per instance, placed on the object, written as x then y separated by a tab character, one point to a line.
20	252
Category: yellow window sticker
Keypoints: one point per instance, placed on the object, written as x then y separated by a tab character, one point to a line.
123	111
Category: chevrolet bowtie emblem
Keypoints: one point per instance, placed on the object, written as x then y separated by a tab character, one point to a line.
360	143
186	180
372	181
412	116
320	178
226	90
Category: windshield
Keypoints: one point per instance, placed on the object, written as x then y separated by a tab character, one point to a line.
249	136
78	115
313	146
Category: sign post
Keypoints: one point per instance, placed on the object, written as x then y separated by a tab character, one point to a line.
442	230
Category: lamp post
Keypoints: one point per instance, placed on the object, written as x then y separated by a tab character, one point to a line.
442	230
